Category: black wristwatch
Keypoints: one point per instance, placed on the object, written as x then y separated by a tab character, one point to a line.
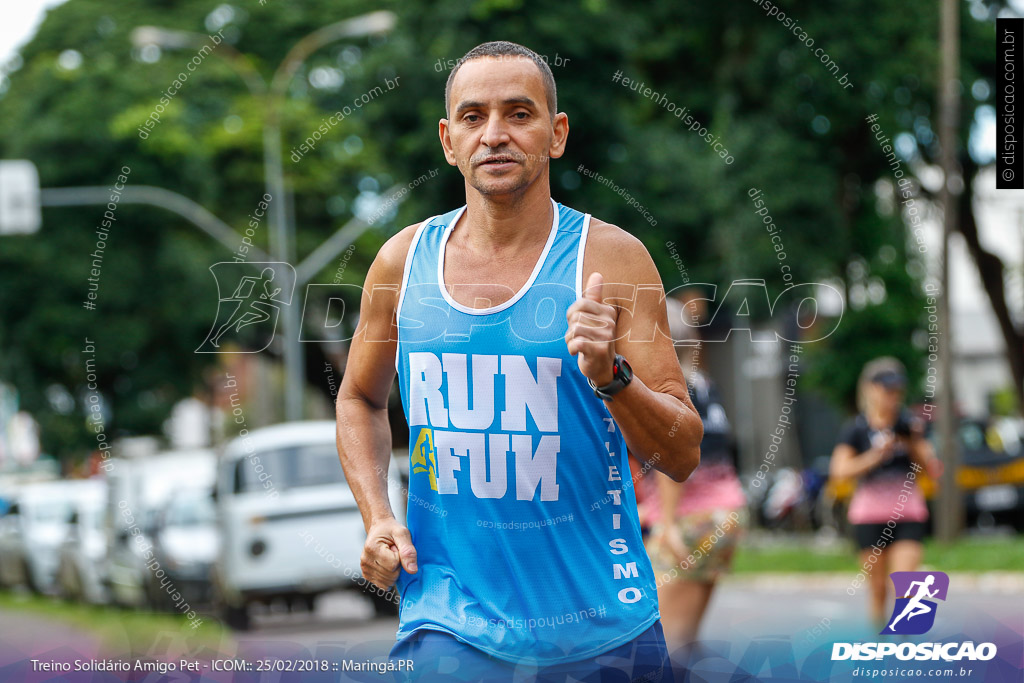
622	375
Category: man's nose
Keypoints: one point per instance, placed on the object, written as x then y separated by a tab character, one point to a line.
495	131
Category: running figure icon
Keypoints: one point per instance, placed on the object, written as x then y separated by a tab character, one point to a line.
917	594
914	606
251	309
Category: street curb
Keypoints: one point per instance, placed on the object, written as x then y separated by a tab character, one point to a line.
990	583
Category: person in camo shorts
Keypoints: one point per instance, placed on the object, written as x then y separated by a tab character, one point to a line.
694	526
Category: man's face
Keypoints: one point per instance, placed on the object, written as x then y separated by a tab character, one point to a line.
501	133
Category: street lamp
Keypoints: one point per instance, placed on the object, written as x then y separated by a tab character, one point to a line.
142	36
281	230
172	39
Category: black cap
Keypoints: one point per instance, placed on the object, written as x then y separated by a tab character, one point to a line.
890	379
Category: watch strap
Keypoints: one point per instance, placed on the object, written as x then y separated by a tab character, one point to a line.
622	375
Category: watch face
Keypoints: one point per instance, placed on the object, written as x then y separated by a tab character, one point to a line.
625	371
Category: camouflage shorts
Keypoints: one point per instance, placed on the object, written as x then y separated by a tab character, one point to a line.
710	538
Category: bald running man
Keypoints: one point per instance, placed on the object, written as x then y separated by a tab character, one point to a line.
530	343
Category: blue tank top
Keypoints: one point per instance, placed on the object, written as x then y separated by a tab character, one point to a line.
520	502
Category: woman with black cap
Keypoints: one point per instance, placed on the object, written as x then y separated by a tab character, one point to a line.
884	448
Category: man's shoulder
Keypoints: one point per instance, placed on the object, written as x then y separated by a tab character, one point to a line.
390	260
605	235
616	253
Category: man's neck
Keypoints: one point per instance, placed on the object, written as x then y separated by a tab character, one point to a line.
505	223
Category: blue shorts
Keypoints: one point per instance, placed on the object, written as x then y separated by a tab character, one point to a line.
437	656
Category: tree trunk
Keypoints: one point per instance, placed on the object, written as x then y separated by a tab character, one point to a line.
991	269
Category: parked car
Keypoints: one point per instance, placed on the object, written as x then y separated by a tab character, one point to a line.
81	555
11	560
34	529
185	543
992	473
138	489
290	526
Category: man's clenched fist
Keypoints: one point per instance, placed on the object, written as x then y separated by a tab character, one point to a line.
388	545
591	335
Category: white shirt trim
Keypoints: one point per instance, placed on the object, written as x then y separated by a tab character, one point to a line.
405	280
579	255
522	291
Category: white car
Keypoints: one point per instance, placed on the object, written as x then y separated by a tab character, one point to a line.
290	526
34	529
186	542
138	489
82	554
12	562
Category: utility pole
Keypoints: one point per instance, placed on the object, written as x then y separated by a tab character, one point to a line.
281	232
950	514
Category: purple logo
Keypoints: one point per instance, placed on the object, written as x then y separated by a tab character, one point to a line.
916	592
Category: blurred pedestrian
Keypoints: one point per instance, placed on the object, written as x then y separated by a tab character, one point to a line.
694	526
883	447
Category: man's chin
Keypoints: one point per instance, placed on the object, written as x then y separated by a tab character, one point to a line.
496	187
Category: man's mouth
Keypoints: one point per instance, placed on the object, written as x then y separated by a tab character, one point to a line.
498	161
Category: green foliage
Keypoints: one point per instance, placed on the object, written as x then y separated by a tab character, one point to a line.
1004	402
793	131
964	555
115	629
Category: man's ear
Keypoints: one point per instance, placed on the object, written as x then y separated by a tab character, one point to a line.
446	142
560	125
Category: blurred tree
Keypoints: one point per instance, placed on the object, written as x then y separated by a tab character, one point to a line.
792	129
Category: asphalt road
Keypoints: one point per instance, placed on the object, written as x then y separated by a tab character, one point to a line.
786	609
341	619
806	609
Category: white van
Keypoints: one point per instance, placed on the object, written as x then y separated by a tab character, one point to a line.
290	526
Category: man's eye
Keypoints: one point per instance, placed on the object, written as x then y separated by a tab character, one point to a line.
521	115
470	118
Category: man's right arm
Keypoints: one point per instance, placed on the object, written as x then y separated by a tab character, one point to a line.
364	434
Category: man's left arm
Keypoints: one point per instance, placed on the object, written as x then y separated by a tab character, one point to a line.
654	412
